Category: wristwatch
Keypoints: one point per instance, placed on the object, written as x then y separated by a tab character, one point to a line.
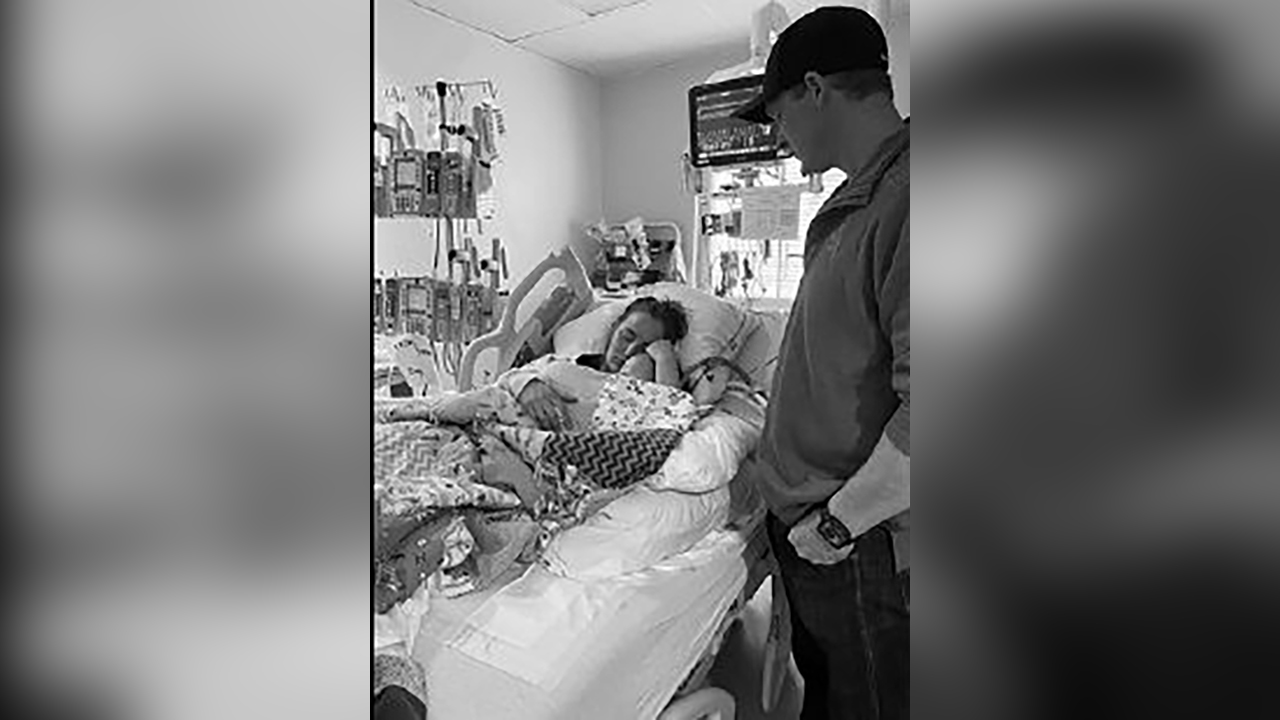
832	530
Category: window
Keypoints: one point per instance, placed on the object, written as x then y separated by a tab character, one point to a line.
758	269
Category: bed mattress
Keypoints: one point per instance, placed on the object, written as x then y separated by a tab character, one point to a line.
548	647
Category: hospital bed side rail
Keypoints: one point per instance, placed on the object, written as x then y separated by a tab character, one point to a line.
538	329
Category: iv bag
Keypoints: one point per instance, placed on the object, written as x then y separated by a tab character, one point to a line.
431	120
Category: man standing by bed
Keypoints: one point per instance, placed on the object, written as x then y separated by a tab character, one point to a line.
834	461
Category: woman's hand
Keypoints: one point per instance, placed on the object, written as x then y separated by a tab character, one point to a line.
415	410
666	370
661	350
548	407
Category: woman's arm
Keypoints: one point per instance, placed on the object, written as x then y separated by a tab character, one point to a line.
666	370
515	379
639	366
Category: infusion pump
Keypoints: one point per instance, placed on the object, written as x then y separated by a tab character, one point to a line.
433	184
410	177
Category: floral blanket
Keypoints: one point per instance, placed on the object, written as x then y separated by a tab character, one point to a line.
627	403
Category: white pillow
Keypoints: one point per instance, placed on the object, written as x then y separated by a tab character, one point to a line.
716	327
759	354
636	531
588	333
708	456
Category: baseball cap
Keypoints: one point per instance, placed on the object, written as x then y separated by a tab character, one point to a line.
827	40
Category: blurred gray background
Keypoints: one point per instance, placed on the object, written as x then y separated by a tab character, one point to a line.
1096	355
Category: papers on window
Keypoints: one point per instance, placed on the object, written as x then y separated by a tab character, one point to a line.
771	213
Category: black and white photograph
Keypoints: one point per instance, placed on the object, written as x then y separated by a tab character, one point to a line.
645	402
642	436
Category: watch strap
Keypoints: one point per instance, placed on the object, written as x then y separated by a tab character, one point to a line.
833	531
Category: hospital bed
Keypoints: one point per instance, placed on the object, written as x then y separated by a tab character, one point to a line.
637	645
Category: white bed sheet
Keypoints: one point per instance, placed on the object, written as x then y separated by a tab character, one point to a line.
546	647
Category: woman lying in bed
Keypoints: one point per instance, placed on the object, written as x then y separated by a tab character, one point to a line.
640	346
624	429
561	393
615	416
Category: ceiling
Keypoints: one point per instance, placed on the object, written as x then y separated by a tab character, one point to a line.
608	38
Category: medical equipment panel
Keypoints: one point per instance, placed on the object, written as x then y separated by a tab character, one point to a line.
417	306
431	194
447	304
389	140
409	184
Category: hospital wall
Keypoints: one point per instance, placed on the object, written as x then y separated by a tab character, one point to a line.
898	34
646	128
548	177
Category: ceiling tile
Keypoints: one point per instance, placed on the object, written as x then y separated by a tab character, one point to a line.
633	35
600	7
507	19
657	32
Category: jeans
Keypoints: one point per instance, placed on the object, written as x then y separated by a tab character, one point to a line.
850	628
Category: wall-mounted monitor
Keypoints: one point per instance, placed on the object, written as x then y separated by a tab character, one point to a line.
718	138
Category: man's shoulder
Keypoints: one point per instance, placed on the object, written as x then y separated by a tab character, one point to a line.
881	221
897	177
891	201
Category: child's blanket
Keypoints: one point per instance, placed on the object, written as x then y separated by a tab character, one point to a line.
435	456
634	426
437	522
627	403
606	458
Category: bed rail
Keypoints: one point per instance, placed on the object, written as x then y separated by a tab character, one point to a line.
569	300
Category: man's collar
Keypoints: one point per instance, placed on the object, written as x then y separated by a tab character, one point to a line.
857	189
889	150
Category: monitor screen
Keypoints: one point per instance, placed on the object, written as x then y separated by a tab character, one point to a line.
416	299
717	138
407	172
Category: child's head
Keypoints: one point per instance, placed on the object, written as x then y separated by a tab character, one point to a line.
708	380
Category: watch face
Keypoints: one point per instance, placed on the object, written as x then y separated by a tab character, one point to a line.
834	531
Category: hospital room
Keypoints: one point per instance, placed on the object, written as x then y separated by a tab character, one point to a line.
632	456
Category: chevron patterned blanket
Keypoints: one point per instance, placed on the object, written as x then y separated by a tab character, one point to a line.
612	458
